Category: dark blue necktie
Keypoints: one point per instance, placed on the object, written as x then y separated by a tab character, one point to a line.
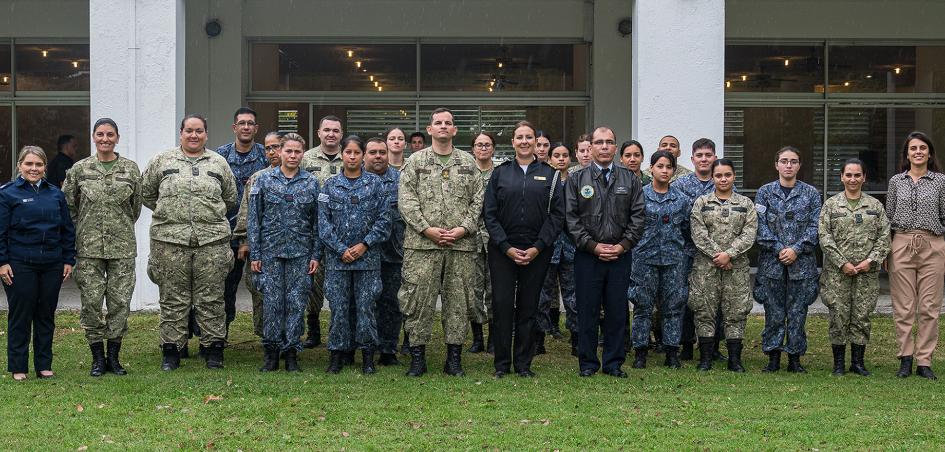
605	172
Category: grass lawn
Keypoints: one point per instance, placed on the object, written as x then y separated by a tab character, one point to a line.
656	408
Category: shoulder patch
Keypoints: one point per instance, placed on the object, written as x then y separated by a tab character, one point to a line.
761	208
323	197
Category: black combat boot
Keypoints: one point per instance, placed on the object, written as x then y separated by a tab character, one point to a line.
686	353
639	357
716	354
706	344
857	365
774	361
574	342
270	359
171	359
214	355
405	348
314	338
905	366
672	357
734	355
540	343
388	359
490	344
418	361
185	352
291	360
367	363
925	372
839	357
98	359
478	344
453	365
334	362
555	314
794	364
347	358
112	364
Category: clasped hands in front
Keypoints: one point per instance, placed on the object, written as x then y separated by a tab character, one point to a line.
444	237
607	252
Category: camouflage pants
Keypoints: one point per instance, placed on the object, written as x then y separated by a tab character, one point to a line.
285	285
851	300
711	288
389	318
190	278
316	298
346	289
112	280
431	272
482	288
559	284
666	283
250	280
786	302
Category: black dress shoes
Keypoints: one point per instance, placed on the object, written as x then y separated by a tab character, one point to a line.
616	373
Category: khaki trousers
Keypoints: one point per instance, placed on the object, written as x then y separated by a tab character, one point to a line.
916	268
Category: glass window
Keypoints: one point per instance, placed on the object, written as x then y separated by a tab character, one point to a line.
281	117
887	69
6	144
774	68
368	121
562	124
42	125
6	76
515	67
52	67
330	67
754	135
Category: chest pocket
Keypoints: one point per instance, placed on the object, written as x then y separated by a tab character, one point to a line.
460	178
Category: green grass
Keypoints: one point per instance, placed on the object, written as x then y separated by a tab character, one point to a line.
654	409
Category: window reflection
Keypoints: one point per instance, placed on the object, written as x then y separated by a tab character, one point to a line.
330	67
887	69
368	121
774	68
494	68
6	75
281	117
6	144
41	126
52	67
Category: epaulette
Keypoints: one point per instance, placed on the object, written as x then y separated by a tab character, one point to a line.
8	184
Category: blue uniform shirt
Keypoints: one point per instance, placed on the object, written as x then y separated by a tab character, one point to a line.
243	166
352	212
35	225
692	187
666	229
564	245
392	250
283	219
787	221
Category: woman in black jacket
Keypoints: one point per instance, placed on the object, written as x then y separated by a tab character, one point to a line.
524	213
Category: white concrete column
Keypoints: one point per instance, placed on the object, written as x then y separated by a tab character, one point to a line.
678	72
137	79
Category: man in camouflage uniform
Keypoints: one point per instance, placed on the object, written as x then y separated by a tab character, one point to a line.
670	144
322	161
284	250
854	236
481	314
441	195
353	219
104	203
723	230
272	146
389	318
190	189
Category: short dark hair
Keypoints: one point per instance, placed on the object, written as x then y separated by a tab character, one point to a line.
668	136
663	154
629	143
418	134
703	143
541	133
439	110
244	111
916	135
353	139
194	116
612	133
853	161
723	162
329	118
559	144
376	140
63	140
105	121
488	134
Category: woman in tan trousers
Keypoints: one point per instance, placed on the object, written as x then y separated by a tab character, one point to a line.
915	205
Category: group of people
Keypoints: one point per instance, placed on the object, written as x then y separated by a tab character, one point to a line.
383	237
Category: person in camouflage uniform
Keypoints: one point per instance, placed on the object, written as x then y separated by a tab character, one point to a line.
353	219
670	144
322	161
389	318
189	189
660	263
786	282
284	250
854	236
483	149
723	226
272	146
103	193
440	199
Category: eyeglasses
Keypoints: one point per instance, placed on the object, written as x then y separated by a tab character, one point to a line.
603	142
246	124
273	147
786	162
483	145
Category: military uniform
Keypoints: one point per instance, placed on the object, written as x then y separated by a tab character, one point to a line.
389	318
351	212
660	266
482	310
786	220
679	172
104	205
322	166
190	250
434	194
559	284
282	233
239	234
851	235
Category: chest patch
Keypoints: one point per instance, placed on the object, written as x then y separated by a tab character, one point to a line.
587	191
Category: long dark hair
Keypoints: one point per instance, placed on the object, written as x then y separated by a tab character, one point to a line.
904	164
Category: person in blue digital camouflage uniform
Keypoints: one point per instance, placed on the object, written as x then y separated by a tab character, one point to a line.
284	251
660	263
353	221
786	282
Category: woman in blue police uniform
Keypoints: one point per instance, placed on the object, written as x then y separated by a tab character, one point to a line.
37	252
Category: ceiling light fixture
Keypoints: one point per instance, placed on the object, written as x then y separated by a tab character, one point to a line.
350	53
357	64
75	64
787	62
45	53
371	78
897	70
728	84
380	88
744	78
846	83
500	65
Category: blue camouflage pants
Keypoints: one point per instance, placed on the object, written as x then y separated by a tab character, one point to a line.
666	283
786	302
345	289
285	285
389	318
559	281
